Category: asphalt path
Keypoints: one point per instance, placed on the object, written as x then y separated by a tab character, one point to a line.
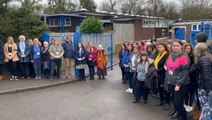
87	100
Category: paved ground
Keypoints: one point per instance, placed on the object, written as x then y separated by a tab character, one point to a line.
7	85
89	100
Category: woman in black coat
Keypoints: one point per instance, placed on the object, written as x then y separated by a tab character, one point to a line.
159	66
1	59
203	59
80	60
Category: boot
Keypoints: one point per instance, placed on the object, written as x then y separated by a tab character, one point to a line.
175	116
172	113
1	77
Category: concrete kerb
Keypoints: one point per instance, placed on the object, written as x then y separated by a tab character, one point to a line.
14	91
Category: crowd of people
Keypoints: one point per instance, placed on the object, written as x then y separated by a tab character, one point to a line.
177	73
33	59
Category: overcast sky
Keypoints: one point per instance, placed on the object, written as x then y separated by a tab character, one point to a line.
99	1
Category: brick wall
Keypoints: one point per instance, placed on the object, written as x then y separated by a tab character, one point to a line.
147	33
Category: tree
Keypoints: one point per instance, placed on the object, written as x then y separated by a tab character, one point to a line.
131	6
91	26
31	5
201	8
88	4
108	5
16	21
60	6
4	5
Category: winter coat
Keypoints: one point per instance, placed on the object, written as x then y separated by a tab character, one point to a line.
68	49
77	55
205	74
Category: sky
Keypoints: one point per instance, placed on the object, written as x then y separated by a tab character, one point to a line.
99	1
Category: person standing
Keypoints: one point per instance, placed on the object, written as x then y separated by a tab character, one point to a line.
159	66
56	53
24	57
102	60
91	59
188	49
141	68
126	61
80	61
35	54
1	59
45	57
121	55
11	57
68	47
177	66
203	60
134	60
31	68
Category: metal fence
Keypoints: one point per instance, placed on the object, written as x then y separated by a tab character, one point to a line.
106	40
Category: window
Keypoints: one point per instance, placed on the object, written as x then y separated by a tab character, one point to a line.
194	28
53	22
68	21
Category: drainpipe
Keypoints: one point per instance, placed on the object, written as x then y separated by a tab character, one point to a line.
63	23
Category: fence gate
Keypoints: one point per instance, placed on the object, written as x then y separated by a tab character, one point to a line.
106	40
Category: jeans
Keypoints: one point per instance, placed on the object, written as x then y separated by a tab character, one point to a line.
91	71
13	68
123	73
56	63
24	69
1	69
179	97
37	67
130	79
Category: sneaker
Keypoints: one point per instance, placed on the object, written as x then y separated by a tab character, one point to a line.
36	77
16	78
39	77
127	90
11	79
131	91
188	108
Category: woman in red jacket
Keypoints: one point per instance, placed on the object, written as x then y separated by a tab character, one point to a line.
91	59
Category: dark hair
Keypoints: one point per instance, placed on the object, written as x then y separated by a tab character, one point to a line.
143	54
192	49
150	46
124	47
78	46
131	47
164	45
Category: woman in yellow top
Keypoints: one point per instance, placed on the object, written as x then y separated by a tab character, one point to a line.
159	66
11	57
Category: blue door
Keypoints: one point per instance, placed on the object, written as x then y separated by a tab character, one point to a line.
180	33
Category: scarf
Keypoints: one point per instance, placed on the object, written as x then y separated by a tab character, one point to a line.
158	58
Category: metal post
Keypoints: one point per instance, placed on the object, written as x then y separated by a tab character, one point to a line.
111	37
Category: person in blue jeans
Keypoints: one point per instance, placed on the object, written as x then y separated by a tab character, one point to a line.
35	54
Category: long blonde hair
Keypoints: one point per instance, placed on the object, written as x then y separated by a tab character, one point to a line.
200	51
10	40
